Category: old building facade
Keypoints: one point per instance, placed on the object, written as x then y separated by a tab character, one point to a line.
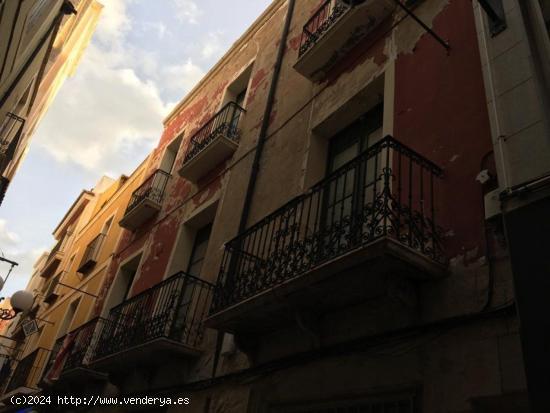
515	51
317	229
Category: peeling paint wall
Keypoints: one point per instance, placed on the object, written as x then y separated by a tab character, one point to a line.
434	102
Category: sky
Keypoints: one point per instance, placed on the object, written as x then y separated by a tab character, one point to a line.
144	57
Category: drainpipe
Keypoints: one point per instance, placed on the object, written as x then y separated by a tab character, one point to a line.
259	147
265	121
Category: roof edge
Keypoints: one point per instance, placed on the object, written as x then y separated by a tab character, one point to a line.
247	35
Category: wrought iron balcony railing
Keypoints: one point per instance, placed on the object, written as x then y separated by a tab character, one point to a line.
154	189
91	254
321	22
57	346
173	309
224	123
73	350
83	342
10	135
387	191
29	370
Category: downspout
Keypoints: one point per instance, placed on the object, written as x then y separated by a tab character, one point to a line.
265	121
259	148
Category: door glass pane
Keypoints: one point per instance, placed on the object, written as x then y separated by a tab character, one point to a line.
199	250
355	185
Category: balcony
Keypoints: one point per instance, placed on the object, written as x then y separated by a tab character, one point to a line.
160	324
53	260
72	354
334	29
11	131
91	254
27	373
375	215
50	292
214	142
146	201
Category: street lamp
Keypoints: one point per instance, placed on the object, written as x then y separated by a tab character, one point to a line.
20	301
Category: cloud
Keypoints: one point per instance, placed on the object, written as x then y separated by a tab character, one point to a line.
187	11
7	237
12	249
114	116
212	47
110	113
114	21
181	78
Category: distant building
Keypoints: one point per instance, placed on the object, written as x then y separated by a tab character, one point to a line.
68	280
41	44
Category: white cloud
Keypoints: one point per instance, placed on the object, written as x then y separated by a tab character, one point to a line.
7	237
114	116
109	115
187	11
20	275
181	78
158	27
13	250
114	20
212	47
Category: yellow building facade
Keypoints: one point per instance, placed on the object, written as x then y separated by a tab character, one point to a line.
68	281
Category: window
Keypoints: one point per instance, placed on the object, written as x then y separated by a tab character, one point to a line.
71	261
199	250
124	281
495	15
236	115
107	226
349	192
67	321
170	154
236	92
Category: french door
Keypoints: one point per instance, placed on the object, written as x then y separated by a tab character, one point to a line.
353	183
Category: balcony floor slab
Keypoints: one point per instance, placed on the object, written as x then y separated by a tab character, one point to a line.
152	352
141	213
212	155
338	283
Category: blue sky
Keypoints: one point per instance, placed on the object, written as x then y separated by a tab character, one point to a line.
144	57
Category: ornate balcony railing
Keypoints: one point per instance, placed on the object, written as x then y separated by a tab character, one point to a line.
74	349
29	370
83	342
321	22
57	346
173	309
10	135
387	191
90	257
153	189
224	123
